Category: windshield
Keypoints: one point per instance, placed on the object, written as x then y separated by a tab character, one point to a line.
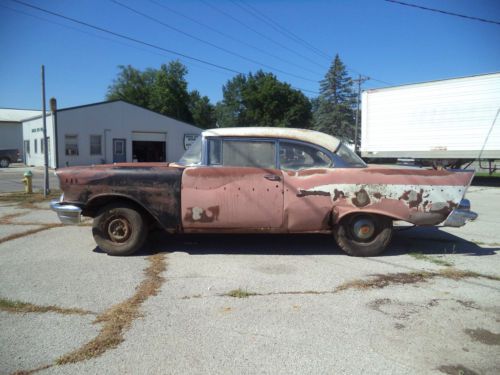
192	154
349	157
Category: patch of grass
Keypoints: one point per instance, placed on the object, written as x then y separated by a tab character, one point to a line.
8	218
30	232
118	318
439	262
23	198
29	372
19	307
379	281
239	293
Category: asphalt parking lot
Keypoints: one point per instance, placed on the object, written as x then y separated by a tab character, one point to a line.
249	304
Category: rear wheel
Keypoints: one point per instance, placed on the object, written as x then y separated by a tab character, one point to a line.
119	229
363	235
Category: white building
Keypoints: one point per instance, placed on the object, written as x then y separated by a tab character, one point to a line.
106	132
11	127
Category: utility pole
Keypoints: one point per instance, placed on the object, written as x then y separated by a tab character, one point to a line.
45	151
361	79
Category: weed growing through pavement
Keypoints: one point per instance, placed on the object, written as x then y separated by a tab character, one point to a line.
19	307
118	318
439	262
240	293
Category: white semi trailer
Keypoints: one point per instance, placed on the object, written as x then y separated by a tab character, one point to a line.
449	122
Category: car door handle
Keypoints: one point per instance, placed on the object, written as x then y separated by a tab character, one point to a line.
272	177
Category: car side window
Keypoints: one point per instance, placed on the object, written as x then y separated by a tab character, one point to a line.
242	153
295	156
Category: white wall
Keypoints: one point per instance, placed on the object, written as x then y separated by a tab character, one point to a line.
11	136
32	129
116	120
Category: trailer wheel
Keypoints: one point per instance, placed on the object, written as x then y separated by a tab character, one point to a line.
363	235
119	229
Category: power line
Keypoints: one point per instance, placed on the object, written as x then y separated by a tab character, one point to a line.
126	37
443	12
95	35
282	30
194	37
231	37
261	34
269	21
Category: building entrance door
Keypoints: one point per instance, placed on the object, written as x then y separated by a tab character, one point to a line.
119	150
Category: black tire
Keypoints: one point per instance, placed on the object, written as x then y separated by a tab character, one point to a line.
4	163
119	229
363	235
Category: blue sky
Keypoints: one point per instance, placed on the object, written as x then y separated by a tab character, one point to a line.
389	42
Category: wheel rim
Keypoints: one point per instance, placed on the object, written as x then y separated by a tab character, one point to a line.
119	229
4	163
363	229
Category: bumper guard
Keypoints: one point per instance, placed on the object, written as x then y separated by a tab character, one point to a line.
68	214
460	215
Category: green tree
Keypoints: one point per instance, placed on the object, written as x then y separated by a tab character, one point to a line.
260	99
169	92
202	110
335	108
132	85
163	90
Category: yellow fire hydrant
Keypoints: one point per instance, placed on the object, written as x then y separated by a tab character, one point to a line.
28	182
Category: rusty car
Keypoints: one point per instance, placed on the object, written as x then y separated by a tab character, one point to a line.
261	180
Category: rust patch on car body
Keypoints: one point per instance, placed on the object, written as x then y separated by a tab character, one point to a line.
303	193
153	186
420	197
198	214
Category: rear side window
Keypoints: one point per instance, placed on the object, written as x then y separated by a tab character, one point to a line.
242	153
295	156
349	157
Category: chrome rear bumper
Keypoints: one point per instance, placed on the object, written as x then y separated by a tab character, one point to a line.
68	214
460	215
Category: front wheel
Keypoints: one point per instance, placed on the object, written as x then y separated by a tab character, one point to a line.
119	229
363	235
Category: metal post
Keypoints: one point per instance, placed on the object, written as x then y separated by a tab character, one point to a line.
45	153
361	79
53	109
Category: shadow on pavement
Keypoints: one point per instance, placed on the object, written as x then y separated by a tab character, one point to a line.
427	240
486	181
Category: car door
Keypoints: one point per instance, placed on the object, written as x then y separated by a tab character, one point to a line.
305	166
240	189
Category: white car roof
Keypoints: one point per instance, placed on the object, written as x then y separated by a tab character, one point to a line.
321	139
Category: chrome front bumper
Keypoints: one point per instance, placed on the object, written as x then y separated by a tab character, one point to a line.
68	214
460	215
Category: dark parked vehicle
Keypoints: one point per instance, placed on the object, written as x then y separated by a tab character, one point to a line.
7	157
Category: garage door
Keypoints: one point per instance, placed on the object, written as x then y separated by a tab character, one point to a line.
149	146
149	136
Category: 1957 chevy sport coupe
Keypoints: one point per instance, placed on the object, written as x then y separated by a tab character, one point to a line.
261	180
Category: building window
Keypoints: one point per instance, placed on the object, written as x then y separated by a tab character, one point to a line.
27	147
95	145
35	147
41	145
71	144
